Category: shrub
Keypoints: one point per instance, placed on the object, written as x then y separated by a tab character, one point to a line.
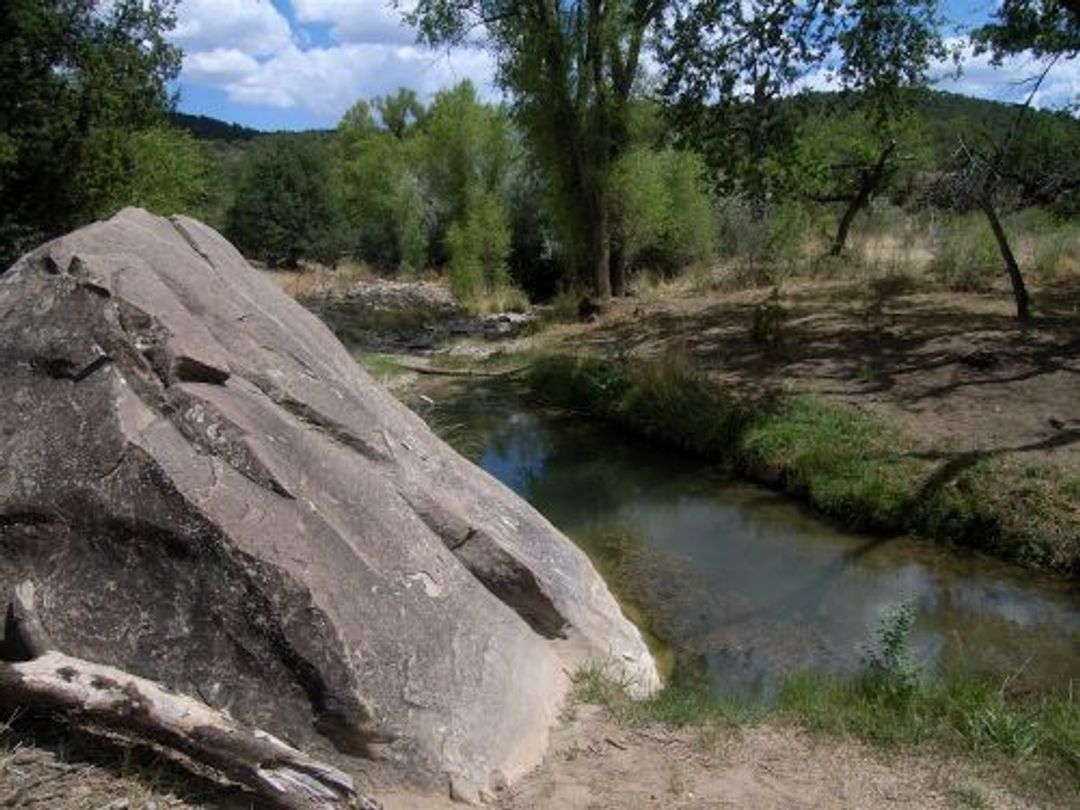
287	207
888	666
479	246
664	216
966	258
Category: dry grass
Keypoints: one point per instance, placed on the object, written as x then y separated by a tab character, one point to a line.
313	280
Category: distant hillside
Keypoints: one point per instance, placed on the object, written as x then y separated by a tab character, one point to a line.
950	116
206	128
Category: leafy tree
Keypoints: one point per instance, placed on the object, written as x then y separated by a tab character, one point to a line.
163	170
729	65
571	69
467	150
479	245
400	111
887	49
76	78
664	217
732	61
287	206
1044	28
384	202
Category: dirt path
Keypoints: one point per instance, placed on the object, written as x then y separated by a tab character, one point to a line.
595	764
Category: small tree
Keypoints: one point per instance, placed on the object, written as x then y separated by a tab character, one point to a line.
663	215
287	206
384	199
1048	30
479	245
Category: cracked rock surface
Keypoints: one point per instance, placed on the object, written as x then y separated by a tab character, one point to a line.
208	491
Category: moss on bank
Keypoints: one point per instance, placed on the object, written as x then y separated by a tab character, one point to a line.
847	465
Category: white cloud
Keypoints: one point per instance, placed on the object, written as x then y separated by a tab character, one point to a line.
1013	80
252	27
219	66
357	21
327	81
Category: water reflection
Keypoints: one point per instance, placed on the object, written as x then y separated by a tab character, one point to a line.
745	579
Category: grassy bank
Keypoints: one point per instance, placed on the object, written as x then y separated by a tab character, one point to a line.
847	465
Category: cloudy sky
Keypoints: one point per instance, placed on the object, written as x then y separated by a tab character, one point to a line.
298	64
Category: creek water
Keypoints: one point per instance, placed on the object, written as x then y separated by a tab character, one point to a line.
742	580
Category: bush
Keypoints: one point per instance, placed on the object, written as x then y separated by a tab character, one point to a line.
287	206
664	217
479	246
966	258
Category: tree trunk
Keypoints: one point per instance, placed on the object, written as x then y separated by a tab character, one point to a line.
618	270
871	181
600	237
1019	289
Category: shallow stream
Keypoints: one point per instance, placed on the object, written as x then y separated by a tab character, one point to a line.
743	580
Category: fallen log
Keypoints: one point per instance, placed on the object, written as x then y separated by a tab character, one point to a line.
84	693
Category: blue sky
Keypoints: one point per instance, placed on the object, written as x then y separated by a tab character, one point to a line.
299	64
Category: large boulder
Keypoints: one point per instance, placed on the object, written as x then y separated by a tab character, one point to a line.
207	491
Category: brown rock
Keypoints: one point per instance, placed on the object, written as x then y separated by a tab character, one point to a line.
209	492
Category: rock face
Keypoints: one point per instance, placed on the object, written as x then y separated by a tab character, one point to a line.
207	491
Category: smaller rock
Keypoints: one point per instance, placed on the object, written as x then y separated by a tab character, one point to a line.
464	792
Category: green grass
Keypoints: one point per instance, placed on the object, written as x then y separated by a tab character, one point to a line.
849	466
379	366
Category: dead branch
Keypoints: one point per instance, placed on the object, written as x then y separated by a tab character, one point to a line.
84	693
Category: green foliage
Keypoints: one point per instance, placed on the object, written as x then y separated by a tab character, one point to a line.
888	666
1043	27
76	80
571	70
468	151
664	218
383	197
479	245
287	206
164	170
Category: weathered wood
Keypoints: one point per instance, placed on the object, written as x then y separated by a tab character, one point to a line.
26	638
87	693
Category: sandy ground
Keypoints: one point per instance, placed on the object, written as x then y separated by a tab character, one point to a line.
593	764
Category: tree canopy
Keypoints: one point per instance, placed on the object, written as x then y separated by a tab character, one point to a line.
75	77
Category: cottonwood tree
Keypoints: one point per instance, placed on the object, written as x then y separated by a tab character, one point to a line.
571	69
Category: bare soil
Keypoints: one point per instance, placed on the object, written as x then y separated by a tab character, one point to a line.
956	371
594	763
